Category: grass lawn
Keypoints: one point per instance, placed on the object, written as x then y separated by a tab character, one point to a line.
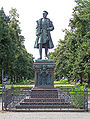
64	85
69	86
8	86
89	91
56	85
0	90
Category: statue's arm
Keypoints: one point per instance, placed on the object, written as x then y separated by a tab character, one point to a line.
38	30
51	27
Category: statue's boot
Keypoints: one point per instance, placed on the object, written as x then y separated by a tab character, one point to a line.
46	51
40	51
40	55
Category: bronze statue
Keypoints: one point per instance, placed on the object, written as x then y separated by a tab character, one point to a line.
43	39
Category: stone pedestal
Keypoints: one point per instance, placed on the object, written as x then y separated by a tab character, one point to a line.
44	73
44	80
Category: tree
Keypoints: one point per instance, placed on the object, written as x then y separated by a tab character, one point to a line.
23	66
80	26
72	54
6	49
14	59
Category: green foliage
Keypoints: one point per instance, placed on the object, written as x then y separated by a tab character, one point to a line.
0	90
65	87
24	82
72	55
62	81
79	87
15	61
77	99
78	95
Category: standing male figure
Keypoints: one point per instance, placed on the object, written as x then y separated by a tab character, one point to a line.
44	40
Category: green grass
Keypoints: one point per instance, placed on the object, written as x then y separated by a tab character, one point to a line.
0	90
56	85
24	82
8	86
66	85
62	81
63	86
70	86
89	91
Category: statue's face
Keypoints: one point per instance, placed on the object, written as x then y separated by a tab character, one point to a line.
44	14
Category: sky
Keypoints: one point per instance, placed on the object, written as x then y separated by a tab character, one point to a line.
59	12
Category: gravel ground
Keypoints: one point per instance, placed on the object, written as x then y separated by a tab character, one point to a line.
45	115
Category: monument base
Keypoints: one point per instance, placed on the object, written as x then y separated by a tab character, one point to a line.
44	80
44	73
43	95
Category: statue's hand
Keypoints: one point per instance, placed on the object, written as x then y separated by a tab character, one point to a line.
48	29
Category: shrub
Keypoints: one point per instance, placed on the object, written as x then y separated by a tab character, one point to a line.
64	81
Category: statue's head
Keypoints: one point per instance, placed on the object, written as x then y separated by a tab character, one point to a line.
45	13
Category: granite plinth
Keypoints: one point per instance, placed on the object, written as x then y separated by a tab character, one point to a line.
44	79
44	73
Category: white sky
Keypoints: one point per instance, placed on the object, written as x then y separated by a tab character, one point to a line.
60	11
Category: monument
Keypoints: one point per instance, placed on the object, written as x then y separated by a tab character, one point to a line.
44	68
44	94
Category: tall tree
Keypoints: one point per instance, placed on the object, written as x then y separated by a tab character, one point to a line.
73	53
14	59
80	25
5	42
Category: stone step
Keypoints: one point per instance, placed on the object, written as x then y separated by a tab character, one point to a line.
43	96
44	93
42	106
44	100
44	103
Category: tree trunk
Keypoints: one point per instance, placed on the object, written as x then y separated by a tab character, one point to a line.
81	80
1	79
88	78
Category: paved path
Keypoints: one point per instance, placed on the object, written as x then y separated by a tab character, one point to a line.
45	115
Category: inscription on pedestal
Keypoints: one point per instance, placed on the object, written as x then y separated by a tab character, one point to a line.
44	73
44	77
